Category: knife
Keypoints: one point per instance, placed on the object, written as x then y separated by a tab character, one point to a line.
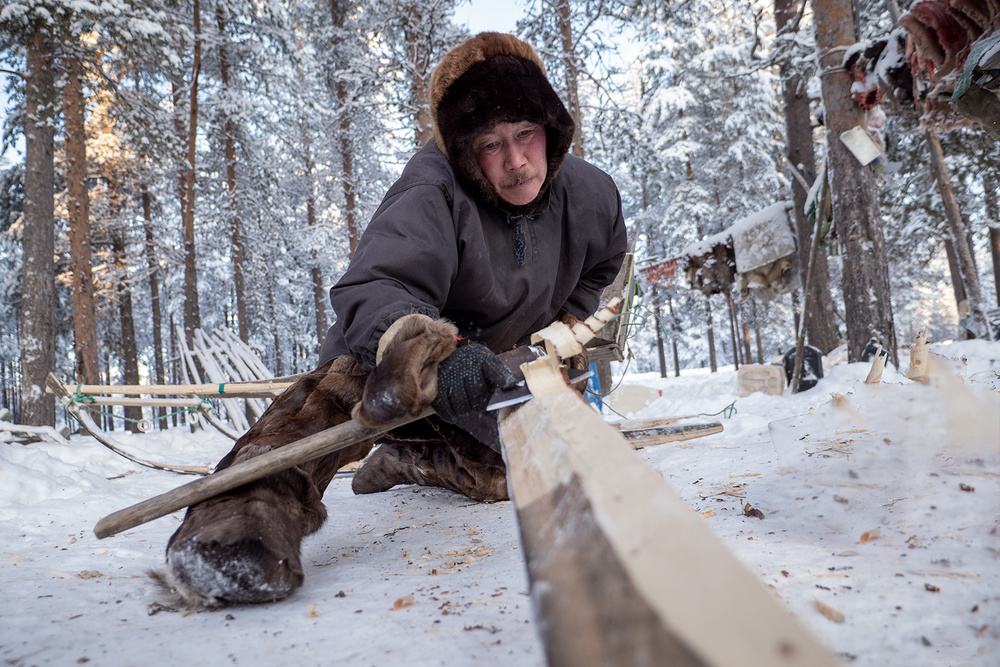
519	393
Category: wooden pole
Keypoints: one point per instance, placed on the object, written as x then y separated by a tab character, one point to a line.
800	338
227	389
622	571
311	447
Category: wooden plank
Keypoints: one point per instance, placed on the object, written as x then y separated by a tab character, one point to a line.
622	571
664	434
636	424
133	401
228	389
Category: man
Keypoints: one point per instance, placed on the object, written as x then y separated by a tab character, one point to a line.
490	234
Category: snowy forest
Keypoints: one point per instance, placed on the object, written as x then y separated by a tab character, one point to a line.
174	165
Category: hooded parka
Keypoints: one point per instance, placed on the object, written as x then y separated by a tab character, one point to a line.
444	245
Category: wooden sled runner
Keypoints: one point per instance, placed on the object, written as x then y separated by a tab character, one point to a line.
76	398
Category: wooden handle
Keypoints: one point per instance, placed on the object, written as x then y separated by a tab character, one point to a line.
319	444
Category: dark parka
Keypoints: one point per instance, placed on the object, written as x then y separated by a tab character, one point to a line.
444	245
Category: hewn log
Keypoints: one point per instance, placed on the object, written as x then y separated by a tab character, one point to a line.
622	571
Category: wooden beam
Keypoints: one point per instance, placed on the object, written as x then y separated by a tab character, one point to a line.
622	571
226	389
663	434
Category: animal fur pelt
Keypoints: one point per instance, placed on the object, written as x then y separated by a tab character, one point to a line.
404	381
243	546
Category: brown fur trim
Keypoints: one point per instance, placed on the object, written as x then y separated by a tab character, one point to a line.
457	62
405	381
489	79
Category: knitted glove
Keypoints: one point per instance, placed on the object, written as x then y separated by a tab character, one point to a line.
467	379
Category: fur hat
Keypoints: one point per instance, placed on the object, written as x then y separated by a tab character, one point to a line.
489	79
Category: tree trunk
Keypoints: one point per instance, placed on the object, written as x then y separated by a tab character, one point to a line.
192	313
129	351
958	230
277	340
958	286
37	339
346	149
239	286
659	344
711	335
316	272
993	216
822	325
733	326
572	75
855	203
417	52
154	294
78	206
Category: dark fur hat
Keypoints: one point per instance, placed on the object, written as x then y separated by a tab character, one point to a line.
489	79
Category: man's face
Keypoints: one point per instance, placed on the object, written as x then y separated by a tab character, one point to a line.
512	156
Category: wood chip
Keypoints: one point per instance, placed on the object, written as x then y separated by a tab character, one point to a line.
707	514
89	574
311	611
966	487
829	612
870	535
405	601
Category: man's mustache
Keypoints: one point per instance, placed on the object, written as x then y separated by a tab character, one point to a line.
519	178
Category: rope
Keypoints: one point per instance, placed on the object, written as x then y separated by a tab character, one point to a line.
726	412
83	398
80	397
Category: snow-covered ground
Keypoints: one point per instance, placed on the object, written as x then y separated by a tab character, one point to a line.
882	506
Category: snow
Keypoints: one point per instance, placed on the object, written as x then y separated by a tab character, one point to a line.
883	505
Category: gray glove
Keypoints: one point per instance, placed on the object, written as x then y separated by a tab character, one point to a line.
467	379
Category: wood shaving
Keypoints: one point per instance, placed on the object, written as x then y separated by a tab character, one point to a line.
707	514
405	601
311	611
870	535
89	574
829	612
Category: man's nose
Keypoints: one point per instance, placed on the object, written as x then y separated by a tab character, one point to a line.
513	156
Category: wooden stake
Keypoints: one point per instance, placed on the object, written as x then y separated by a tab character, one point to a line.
878	365
623	571
918	359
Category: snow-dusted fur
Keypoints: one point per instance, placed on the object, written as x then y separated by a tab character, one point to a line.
243	546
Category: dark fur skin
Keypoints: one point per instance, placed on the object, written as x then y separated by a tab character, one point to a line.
243	546
432	452
405	380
